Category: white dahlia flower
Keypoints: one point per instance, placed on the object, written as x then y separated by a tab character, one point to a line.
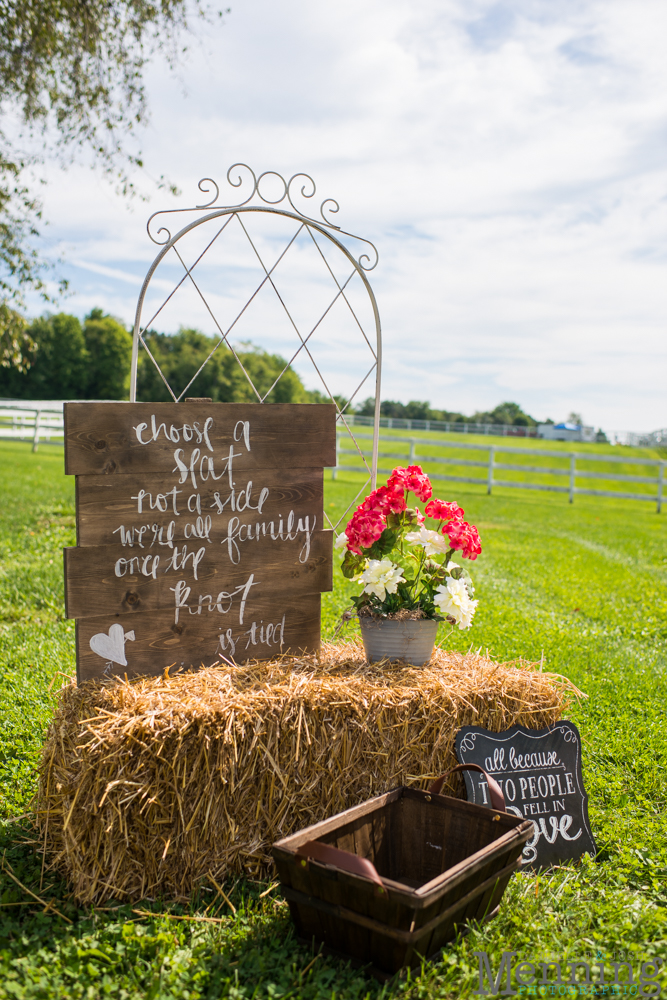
434	543
453	599
381	577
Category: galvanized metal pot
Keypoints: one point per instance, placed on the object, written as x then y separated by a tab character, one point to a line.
388	639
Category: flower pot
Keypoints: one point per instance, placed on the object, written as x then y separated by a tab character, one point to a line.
410	640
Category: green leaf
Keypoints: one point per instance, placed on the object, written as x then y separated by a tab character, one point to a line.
352	564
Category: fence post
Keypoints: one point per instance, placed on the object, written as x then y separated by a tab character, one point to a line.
412	451
35	440
661	483
334	471
573	462
489	479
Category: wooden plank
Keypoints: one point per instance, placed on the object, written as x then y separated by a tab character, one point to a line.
150	641
344	914
125	508
112	580
122	438
288	846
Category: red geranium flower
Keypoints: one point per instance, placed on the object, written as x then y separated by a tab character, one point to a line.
412	479
364	528
442	511
385	500
463	536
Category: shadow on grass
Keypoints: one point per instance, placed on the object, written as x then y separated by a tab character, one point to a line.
154	949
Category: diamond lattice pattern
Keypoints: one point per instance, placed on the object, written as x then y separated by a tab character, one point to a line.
281	284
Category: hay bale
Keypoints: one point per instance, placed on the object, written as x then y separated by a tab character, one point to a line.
149	786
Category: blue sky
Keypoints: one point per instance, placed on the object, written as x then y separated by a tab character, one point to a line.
508	160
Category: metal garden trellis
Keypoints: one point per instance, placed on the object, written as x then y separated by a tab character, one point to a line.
281	206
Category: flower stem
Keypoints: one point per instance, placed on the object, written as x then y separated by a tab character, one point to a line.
419	571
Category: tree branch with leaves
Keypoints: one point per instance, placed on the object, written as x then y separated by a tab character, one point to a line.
71	86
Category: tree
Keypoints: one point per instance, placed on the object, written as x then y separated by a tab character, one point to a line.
317	396
71	76
109	347
182	354
68	361
59	362
71	361
16	344
505	413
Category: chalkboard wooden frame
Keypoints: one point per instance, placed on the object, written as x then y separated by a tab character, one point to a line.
539	771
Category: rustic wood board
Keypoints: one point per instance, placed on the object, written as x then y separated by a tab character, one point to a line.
105	504
291	626
192	520
120	438
95	583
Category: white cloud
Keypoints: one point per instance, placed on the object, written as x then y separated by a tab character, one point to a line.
507	159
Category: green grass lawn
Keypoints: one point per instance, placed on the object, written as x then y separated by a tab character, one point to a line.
583	587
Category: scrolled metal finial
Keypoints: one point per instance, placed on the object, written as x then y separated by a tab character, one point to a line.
205	190
310	194
273	201
239	182
301	184
335	207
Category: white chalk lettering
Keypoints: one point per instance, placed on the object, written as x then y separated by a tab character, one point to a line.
200	529
226	642
266	635
132	536
158	531
174	433
179	562
188	467
238	531
244	427
137	565
160	501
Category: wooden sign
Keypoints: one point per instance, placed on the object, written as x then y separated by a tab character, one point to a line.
539	772
199	532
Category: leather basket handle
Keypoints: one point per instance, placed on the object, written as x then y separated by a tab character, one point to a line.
497	797
345	860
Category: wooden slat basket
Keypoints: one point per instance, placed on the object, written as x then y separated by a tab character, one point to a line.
390	881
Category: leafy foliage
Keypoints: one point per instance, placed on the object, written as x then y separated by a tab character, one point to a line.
69	361
58	363
16	344
504	413
72	74
66	360
109	347
181	355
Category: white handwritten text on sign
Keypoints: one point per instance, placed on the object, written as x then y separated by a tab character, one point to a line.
539	772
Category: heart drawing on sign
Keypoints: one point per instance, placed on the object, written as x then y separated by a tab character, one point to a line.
112	646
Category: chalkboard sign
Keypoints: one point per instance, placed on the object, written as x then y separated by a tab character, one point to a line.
199	532
539	772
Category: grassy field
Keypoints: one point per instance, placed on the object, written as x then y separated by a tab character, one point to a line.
583	587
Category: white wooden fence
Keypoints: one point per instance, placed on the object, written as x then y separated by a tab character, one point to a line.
36	422
492	465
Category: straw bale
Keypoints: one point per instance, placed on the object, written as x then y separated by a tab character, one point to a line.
149	786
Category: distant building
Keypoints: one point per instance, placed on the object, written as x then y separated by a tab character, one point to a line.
565	432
